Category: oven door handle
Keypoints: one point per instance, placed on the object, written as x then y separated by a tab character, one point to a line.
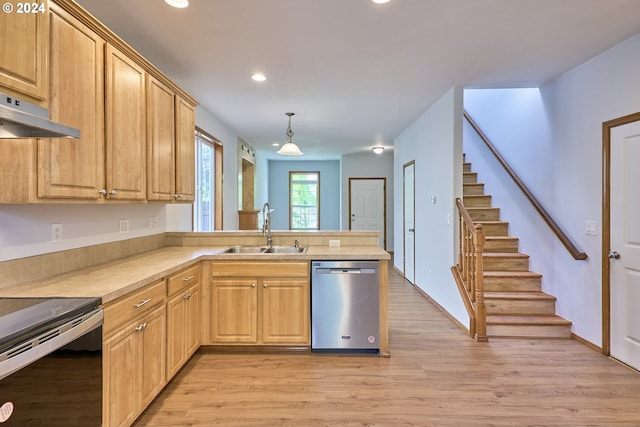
33	349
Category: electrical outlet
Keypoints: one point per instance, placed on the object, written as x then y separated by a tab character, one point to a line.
56	233
124	226
154	221
149	222
334	242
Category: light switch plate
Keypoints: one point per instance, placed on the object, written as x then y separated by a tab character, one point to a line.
334	242
591	228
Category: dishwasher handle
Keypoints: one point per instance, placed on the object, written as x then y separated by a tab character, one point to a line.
345	270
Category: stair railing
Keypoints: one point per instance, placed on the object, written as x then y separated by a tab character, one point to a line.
469	272
564	239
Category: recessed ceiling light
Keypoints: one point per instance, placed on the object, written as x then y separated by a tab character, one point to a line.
276	144
380	1
181	4
259	77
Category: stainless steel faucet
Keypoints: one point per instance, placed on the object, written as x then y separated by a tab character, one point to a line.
266	223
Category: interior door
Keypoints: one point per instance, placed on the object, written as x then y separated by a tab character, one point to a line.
625	243
367	206
408	213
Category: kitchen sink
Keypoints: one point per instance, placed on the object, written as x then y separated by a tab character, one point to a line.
245	250
285	250
265	250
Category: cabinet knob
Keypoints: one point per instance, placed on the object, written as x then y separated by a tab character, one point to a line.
113	192
253	285
178	196
103	192
264	285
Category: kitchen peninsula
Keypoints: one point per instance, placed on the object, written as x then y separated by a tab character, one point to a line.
170	290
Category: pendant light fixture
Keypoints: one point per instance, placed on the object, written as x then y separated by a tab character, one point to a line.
289	148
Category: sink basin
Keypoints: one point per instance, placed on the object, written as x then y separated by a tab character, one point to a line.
265	250
245	250
285	250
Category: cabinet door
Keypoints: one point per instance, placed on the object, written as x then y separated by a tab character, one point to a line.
192	334
23	52
176	337
234	308
152	355
125	127
120	379
160	141
185	151
74	168
285	311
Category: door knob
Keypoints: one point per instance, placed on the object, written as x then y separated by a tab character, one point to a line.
614	255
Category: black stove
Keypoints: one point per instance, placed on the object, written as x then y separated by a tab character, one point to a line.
21	318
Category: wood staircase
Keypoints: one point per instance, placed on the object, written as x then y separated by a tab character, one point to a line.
515	305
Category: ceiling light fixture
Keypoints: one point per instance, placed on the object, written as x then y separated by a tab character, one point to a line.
289	148
259	77
180	4
380	1
378	150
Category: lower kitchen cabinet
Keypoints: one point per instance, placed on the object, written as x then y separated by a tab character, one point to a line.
183	318
271	308
133	354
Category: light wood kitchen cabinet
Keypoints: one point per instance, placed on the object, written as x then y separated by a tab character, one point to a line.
134	333
183	318
125	127
74	168
185	151
260	303
160	141
24	45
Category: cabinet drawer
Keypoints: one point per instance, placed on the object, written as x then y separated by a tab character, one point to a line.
259	269
183	280
130	306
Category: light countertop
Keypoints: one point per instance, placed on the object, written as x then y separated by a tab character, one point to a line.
116	278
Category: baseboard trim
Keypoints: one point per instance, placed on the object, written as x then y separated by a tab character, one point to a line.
586	342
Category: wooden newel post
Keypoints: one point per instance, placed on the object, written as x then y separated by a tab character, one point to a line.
481	314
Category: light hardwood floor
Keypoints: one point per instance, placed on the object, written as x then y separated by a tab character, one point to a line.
436	376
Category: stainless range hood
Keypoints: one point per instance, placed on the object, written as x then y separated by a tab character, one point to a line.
22	119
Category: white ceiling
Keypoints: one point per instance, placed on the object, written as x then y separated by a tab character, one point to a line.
357	73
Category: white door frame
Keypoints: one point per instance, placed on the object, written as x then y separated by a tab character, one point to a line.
606	225
404	214
384	205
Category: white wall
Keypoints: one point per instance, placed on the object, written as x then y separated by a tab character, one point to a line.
369	165
562	164
434	142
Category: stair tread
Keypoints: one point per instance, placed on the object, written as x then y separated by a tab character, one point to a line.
518	274
510	319
518	295
501	238
504	255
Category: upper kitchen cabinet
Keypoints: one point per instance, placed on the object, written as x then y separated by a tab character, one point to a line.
137	127
185	151
74	168
23	50
160	141
125	127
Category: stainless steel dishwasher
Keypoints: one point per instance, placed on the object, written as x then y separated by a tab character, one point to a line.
344	305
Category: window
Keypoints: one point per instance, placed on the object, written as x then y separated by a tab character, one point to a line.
207	209
304	200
